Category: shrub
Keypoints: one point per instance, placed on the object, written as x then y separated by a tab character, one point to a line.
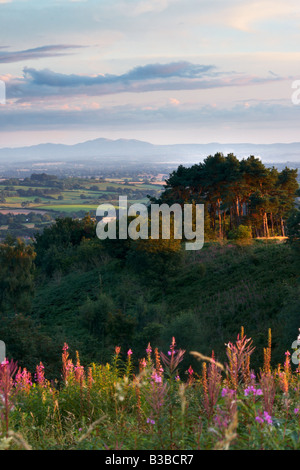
242	232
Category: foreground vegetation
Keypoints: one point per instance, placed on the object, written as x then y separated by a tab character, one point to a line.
162	407
67	289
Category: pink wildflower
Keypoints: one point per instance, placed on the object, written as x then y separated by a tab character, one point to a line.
228	391
150	421
156	377
252	390
39	375
267	418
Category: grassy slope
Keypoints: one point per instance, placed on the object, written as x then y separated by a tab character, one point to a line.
247	287
203	304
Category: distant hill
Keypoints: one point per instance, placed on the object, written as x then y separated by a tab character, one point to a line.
139	151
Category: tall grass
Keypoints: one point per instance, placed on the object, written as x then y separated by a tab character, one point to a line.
156	406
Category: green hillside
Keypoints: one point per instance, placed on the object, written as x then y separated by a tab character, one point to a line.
104	301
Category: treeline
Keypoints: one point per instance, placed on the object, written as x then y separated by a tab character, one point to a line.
51	186
30	192
44	180
24	225
237	194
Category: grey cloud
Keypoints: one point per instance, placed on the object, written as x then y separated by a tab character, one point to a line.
173	69
36	53
142	73
42	84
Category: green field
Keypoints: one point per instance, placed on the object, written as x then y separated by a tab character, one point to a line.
69	207
74	200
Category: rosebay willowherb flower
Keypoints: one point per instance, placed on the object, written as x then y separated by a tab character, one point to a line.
7	390
238	354
176	357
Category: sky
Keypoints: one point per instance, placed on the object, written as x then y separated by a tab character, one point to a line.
162	71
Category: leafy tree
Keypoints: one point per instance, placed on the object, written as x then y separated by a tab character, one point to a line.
293	228
16	275
242	232
235	193
56	243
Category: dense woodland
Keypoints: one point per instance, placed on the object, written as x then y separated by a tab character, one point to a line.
236	193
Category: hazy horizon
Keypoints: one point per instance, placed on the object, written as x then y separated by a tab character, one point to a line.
154	142
107	152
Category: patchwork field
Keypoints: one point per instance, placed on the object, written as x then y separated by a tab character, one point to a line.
28	205
87	197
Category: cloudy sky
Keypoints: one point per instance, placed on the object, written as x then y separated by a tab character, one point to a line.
164	71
